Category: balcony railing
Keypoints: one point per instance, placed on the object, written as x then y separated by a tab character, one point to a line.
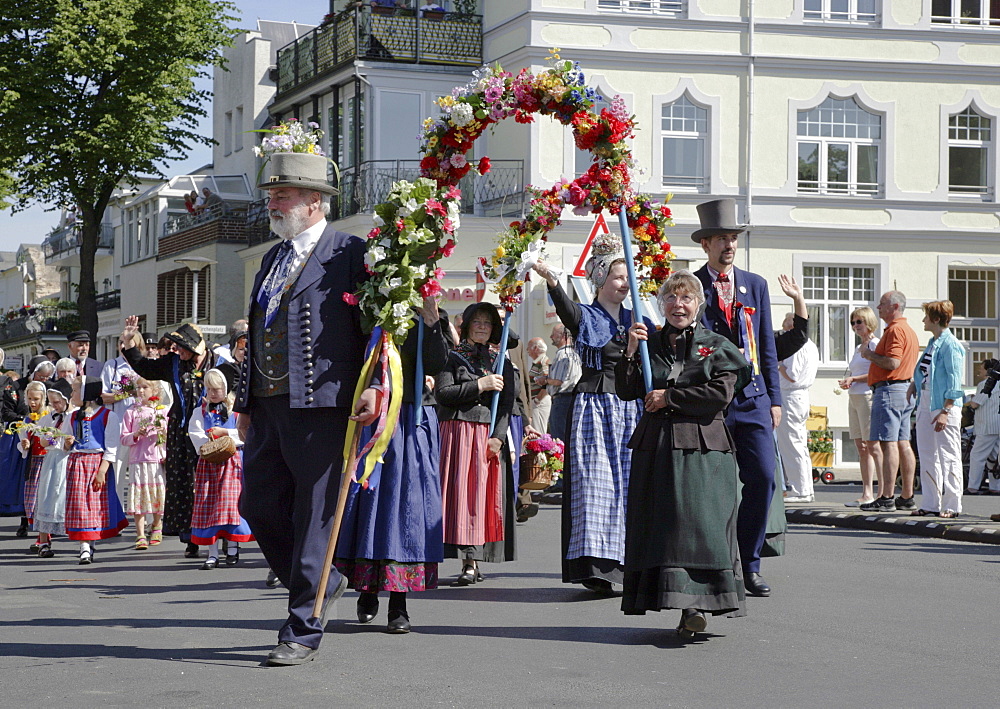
37	319
110	300
68	239
212	213
383	34
258	223
498	193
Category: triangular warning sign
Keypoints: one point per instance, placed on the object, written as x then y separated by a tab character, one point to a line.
600	227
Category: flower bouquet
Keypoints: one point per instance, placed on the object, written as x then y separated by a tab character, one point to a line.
541	462
158	420
124	388
290	136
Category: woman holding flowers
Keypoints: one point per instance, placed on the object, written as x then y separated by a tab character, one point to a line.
31	445
391	540
595	485
680	539
144	434
475	506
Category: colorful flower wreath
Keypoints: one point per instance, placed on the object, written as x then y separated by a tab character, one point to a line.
560	92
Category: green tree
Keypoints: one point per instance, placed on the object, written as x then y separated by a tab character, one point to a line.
95	93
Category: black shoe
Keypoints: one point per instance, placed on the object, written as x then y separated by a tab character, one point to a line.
86	556
399	623
191	552
756	585
272	579
467	577
232	559
880	504
286	654
602	587
526	512
210	563
367	607
905	503
22	531
45	552
692	621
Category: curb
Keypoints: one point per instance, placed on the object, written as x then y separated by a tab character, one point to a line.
967	528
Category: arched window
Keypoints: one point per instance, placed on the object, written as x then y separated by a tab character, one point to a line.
839	146
684	131
970	142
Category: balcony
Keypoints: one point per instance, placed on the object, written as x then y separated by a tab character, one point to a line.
66	241
37	319
382	34
109	300
498	193
224	223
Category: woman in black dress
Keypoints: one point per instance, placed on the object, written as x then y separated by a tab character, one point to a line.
680	529
183	370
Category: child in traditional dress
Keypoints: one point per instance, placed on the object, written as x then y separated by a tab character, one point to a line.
31	447
93	510
217	486
144	432
50	490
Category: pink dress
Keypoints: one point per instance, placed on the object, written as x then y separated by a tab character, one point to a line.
147	490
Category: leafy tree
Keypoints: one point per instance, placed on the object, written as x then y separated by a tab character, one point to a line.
95	93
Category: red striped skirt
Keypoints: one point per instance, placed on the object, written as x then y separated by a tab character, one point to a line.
86	508
471	489
31	485
217	488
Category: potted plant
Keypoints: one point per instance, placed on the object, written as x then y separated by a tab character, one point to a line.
821	448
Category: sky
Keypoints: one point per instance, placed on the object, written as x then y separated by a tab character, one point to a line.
33	224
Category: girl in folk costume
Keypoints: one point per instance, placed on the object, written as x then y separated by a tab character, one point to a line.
595	484
49	515
217	486
144	432
31	446
93	510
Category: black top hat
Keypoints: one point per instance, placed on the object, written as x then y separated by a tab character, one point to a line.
61	387
491	311
717	217
150	338
78	336
237	336
189	337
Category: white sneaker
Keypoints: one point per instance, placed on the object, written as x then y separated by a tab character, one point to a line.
857	503
800	498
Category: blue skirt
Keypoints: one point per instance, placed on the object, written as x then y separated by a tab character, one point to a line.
12	467
398	517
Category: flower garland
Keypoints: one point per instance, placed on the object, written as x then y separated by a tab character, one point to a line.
561	92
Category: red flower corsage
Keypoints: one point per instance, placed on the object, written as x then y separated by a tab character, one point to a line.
704	352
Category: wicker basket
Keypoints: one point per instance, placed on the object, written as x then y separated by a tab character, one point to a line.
218	450
534	474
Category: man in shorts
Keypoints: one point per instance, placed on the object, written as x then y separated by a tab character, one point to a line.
890	374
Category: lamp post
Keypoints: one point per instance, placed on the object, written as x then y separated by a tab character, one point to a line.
195	264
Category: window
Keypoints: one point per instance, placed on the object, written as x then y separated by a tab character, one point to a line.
838	149
858	11
975	13
351	137
654	7
173	296
227	134
684	127
238	129
973	291
969	141
831	293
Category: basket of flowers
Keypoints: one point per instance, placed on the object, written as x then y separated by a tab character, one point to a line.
821	448
541	463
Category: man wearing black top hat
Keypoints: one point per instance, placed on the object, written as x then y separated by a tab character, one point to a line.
79	349
737	305
305	352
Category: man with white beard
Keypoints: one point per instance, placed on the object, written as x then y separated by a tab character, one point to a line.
304	356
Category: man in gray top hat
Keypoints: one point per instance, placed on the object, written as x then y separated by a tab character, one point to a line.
304	356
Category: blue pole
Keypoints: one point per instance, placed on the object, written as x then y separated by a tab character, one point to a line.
498	368
633	285
418	405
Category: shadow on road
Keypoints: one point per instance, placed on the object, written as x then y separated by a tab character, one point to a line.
236	656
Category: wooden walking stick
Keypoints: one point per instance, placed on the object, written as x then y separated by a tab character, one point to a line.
345	485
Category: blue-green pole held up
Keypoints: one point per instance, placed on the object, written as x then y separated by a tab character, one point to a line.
418	397
498	368
633	286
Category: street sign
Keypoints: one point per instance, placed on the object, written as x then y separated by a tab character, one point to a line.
213	329
600	227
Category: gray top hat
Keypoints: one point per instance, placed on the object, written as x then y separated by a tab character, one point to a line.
717	217
303	170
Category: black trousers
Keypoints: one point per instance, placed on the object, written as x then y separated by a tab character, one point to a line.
292	460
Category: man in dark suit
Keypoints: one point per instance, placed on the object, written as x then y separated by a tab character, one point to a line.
739	307
304	356
79	349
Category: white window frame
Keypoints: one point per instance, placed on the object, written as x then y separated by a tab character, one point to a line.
984	191
977	348
852	187
852	16
698	183
668	8
819	328
954	17
713	104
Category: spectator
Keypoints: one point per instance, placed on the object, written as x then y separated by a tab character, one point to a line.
788	342
52	354
189	204
987	430
66	369
798	372
937	382
79	349
199	200
892	363
40	369
213	202
564	373
859	404
152	348
430	6
538	372
224	352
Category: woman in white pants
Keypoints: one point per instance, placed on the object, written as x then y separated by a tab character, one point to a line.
987	430
937	382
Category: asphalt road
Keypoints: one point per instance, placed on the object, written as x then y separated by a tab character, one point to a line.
857	619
